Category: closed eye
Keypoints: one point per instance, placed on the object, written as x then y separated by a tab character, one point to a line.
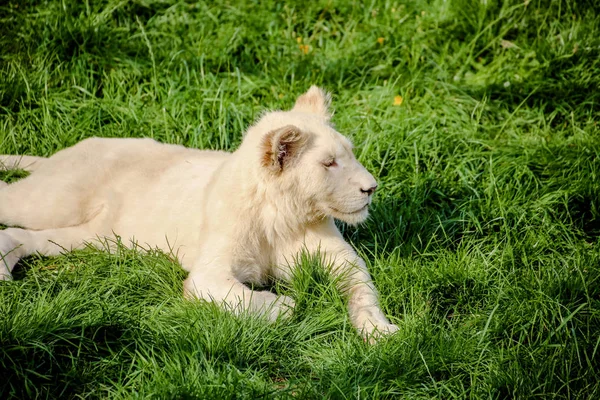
330	163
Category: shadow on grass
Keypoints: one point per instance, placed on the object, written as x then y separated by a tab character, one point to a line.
66	363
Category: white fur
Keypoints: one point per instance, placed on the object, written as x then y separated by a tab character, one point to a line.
230	218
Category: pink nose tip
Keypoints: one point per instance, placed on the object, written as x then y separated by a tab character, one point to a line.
370	190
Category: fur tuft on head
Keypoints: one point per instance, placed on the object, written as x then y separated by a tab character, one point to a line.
314	101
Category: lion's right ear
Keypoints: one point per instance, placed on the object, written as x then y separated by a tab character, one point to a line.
282	146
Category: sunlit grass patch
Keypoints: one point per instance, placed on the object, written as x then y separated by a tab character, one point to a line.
479	120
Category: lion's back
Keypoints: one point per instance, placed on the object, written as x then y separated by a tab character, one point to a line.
100	173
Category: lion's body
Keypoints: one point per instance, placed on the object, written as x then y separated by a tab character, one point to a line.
137	188
229	218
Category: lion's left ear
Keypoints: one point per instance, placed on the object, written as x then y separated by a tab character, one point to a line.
282	146
314	101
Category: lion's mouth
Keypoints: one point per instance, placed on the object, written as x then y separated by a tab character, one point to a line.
351	212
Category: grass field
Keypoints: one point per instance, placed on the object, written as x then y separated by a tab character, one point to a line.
478	118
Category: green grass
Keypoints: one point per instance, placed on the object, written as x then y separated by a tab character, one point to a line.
484	235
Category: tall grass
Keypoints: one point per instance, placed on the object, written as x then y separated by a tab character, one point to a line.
478	118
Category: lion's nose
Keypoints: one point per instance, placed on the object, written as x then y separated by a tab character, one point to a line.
370	190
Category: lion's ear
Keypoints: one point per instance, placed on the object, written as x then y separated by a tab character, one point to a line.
282	146
314	101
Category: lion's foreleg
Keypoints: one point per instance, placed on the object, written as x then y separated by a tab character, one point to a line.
217	284
355	282
363	299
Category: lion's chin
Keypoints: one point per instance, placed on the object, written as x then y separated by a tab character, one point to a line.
352	218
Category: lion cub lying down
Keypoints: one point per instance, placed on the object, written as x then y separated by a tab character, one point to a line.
231	218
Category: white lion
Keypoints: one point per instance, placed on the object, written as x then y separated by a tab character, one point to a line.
230	218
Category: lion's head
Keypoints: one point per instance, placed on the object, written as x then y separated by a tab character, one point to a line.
310	161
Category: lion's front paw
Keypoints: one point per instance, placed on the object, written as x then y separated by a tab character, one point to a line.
282	307
372	332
